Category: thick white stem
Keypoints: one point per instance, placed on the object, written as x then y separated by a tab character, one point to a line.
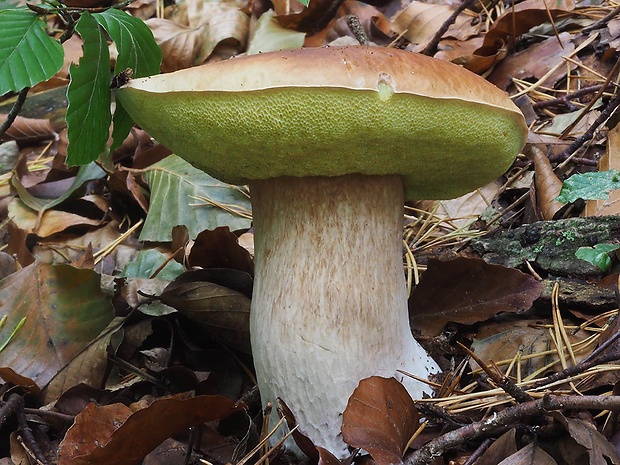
329	306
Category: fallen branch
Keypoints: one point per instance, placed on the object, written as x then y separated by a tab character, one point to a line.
510	416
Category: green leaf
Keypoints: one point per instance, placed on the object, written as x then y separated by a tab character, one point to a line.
184	195
148	262
134	41
597	255
589	186
27	54
89	95
304	2
137	50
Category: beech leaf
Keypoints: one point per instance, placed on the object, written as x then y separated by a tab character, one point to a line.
380	418
467	290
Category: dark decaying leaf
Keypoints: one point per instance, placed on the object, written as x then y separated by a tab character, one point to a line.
312	18
503	447
115	434
600	450
222	312
529	455
466	290
380	418
303	442
327	458
220	248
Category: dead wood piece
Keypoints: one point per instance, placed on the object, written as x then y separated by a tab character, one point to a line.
550	246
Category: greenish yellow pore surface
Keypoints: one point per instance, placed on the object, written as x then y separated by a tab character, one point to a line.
443	148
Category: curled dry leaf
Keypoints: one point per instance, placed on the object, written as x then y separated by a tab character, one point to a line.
420	21
515	21
467	290
600	451
312	18
380	418
548	185
28	130
185	44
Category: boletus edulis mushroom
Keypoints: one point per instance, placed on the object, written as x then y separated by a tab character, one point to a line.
332	141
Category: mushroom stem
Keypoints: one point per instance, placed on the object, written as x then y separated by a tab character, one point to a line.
329	306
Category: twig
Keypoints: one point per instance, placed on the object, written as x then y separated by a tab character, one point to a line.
502	381
26	432
507	417
15	109
601	22
431	47
582	366
481	449
565	99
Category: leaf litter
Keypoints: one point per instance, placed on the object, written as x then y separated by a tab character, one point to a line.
537	382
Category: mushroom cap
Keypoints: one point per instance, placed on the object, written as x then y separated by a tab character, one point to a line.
334	111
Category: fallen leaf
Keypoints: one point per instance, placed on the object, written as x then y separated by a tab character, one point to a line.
191	35
200	201
64	310
600	450
468	290
529	455
536	61
548	185
500	342
120	435
220	248
517	20
310	19
420	21
28	130
503	447
380	418
222	312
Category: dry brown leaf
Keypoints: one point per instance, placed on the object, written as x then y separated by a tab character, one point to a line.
548	185
380	418
28	130
124	435
529	455
327	458
609	161
535	61
419	23
516	21
463	211
502	447
600	450
193	33
310	19
450	49
468	290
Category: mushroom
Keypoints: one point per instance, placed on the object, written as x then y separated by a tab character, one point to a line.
332	141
